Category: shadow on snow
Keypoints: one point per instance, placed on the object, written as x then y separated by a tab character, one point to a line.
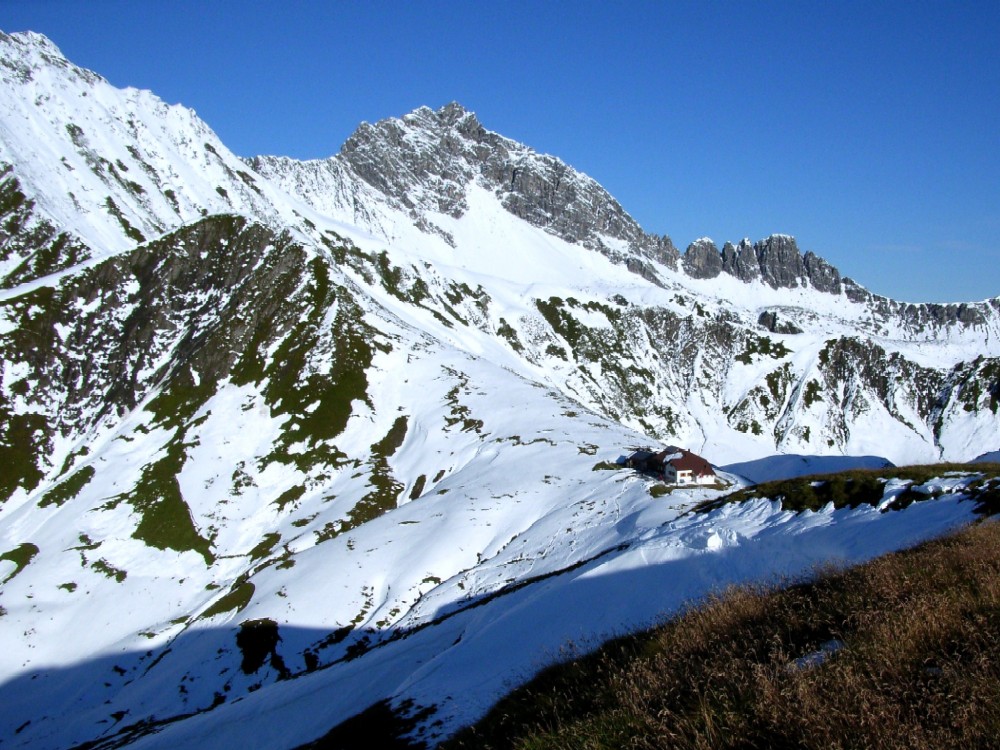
263	684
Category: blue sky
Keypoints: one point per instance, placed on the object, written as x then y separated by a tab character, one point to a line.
870	131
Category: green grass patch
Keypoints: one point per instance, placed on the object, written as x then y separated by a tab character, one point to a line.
26	438
130	231
777	383
290	496
321	401
554	350
384	495
109	570
174	406
385	488
460	413
388	445
171	196
236	600
264	547
21	556
562	322
849	489
76	134
68	488
302	522
164	518
23	441
812	393
506	331
418	487
753	426
761	346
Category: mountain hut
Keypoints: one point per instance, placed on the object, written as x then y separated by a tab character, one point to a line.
674	465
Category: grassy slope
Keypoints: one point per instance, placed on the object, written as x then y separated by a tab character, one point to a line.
864	486
918	666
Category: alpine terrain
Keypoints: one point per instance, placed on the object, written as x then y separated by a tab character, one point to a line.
283	442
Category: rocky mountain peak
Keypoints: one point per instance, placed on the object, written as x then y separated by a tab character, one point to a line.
420	160
780	261
454	115
94	167
702	259
776	260
23	53
427	159
26	44
741	260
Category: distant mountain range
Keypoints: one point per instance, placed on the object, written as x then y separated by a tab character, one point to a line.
286	438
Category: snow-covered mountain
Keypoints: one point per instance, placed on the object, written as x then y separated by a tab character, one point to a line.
283	440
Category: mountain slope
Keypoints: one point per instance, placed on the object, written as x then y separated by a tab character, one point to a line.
347	429
804	666
437	188
108	168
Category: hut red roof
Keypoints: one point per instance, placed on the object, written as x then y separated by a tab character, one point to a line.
685	460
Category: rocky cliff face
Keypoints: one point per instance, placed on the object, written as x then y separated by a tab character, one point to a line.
702	260
425	161
776	260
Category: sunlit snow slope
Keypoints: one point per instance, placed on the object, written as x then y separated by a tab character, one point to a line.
280	441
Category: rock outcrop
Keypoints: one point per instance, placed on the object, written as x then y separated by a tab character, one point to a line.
741	261
702	259
778	262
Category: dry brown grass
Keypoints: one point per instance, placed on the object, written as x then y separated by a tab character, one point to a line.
919	667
